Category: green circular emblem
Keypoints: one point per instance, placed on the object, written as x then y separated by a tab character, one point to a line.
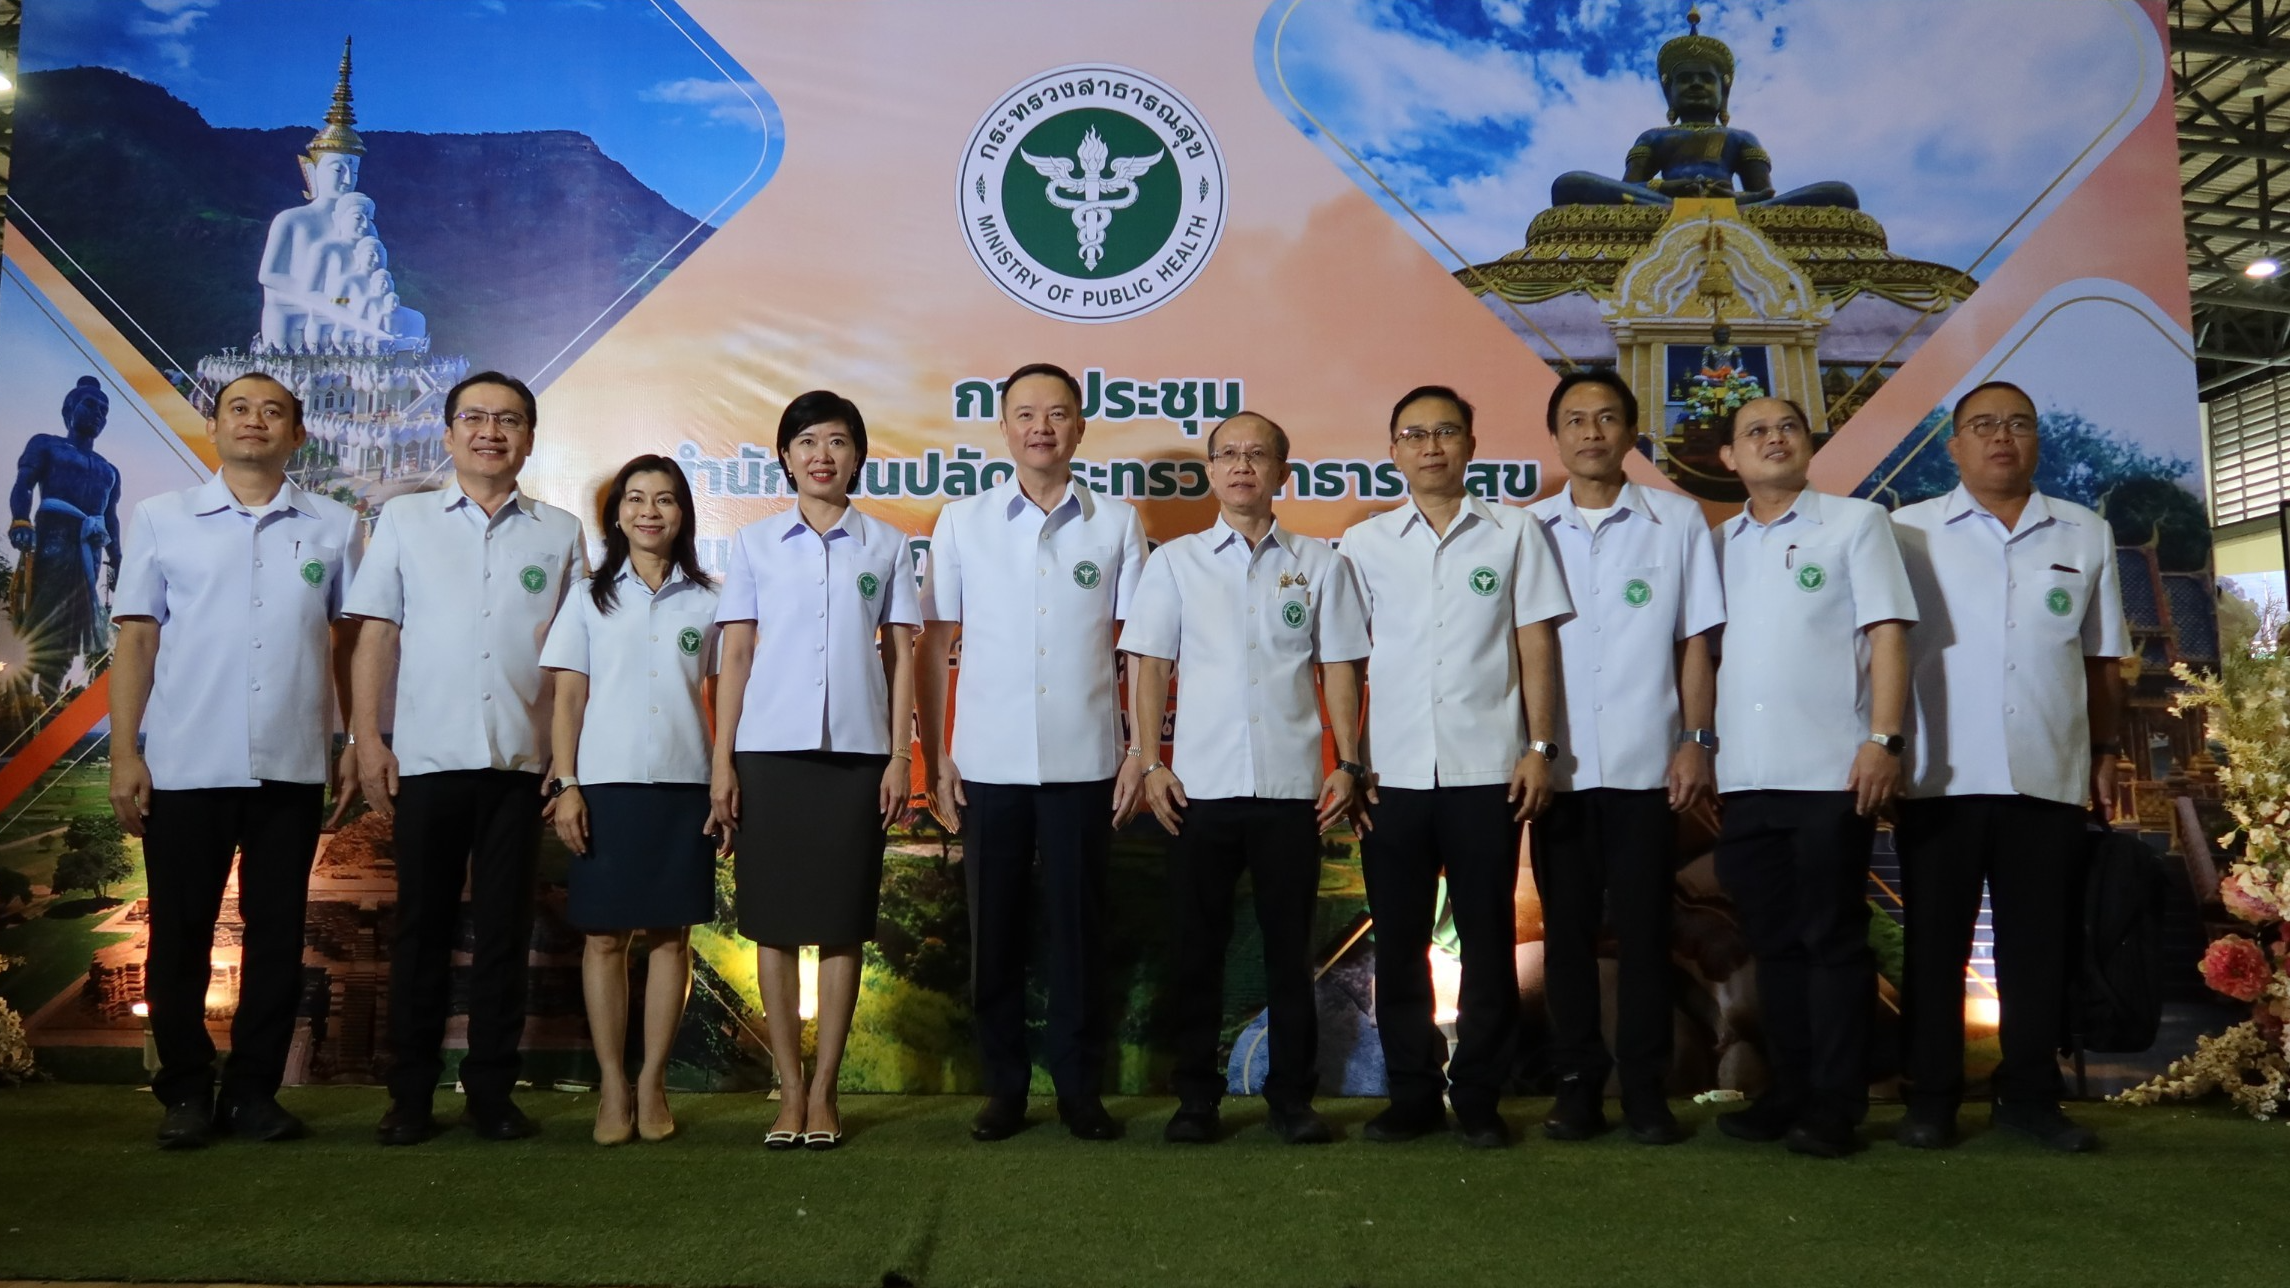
1292	613
868	585
1635	592
314	572
1485	580
1092	193
2059	602
533	579
689	640
1086	575
1810	577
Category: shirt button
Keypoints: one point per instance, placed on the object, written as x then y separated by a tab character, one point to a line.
258	643
1041	690
2009	666
486	653
488	536
2009	585
258	686
1252	679
1598	706
1596	669
2010	711
486	613
1041	611
1596	629
258	603
488	574
1252	720
1252	609
655	675
488	697
2009	626
1436	701
655	711
258	563
1041	572
1252	643
1759	707
1594	590
1439	623
1045	652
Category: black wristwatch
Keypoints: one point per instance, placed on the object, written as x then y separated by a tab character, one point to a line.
557	786
1354	768
1549	750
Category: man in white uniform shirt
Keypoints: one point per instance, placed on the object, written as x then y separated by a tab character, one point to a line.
458	590
1033	577
1811	692
1250	612
1637	729
228	608
2015	726
1462	598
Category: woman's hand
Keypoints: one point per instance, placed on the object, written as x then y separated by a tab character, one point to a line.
570	814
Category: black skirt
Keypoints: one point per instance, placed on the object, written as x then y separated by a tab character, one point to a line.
648	862
809	858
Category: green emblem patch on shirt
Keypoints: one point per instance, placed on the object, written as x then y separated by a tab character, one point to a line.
689	640
1292	613
868	585
314	572
2059	602
1485	580
1810	577
533	579
1086	575
1636	593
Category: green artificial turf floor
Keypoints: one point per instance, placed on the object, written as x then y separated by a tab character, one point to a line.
2179	1196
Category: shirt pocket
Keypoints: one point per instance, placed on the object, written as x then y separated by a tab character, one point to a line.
2058	605
537	575
870	572
1644	590
1081	577
320	568
684	641
1818	578
1289	630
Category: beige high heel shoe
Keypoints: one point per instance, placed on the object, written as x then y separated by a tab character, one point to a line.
611	1133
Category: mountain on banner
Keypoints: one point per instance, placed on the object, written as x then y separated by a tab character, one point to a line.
511	244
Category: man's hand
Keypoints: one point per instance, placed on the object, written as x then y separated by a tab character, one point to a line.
1692	779
1166	795
1129	792
723	805
894	796
1875	779
378	776
2106	769
1364	800
946	799
569	812
130	791
1336	797
345	786
1530	786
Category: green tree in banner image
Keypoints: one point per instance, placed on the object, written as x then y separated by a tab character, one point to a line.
14	886
94	857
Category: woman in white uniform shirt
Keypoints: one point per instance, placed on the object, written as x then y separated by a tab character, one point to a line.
632	650
814	719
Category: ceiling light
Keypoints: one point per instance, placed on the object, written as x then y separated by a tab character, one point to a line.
2254	81
2263	267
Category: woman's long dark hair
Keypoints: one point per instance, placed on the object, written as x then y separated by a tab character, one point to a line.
604	586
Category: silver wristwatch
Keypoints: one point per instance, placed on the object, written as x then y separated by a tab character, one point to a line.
1706	739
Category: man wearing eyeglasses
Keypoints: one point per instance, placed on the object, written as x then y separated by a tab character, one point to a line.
1251	611
1811	693
1461	599
2015	677
1639	686
458	590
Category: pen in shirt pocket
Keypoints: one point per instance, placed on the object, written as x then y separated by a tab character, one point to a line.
1789	558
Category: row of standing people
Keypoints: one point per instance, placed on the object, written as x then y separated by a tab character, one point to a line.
1555	663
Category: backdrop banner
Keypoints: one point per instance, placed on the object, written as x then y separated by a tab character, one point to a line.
672	220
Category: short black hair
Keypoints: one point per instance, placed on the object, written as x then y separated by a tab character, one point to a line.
1430	391
1279	435
1606	376
1956	415
292	400
1072	385
1727	422
532	409
823	407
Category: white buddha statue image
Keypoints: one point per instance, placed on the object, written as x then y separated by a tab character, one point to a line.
291	272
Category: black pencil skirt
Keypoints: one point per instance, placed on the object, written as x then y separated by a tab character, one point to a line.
809	857
648	862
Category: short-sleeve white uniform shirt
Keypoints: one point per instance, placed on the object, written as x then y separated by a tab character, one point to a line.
646	663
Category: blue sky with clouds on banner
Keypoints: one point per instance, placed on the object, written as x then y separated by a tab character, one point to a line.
1948	116
653	90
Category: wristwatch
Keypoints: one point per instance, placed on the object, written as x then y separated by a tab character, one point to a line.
1354	768
1549	750
1891	742
557	785
1150	766
1706	739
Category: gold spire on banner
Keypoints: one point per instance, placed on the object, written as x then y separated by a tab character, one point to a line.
336	135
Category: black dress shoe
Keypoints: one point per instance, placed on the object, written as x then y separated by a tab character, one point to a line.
1404	1122
405	1124
1298	1125
263	1119
1764	1121
1193	1125
1085	1117
187	1126
1820	1135
1926	1130
499	1120
2047	1126
1485	1130
1575	1119
1654	1124
1000	1118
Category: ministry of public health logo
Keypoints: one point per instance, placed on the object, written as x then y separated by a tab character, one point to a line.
313	572
1636	593
1092	193
868	585
688	640
533	579
1292	613
1811	577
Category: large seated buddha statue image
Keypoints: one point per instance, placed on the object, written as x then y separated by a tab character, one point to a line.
1692	249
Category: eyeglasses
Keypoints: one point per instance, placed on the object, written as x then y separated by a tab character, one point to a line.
1444	435
1986	427
1256	457
469	418
1763	434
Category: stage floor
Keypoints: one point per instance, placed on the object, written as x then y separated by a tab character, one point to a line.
2178	1195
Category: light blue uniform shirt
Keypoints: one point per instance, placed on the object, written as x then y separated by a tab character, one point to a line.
646	662
242	690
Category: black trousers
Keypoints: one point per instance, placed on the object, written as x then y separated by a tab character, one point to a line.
2029	853
481	827
1467	833
1277	844
189	838
1070	826
1796	866
1605	857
